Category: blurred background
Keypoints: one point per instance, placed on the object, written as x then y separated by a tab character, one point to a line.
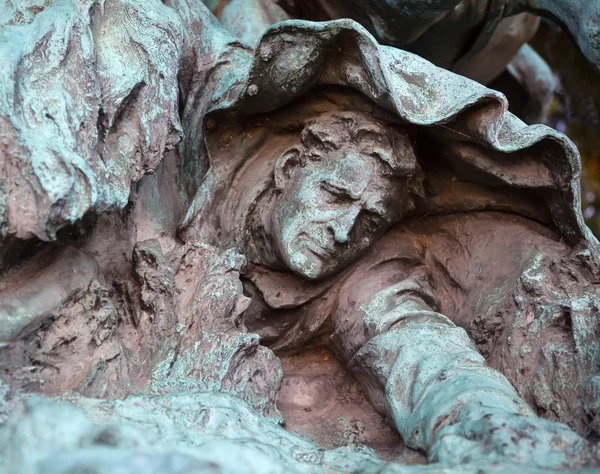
575	110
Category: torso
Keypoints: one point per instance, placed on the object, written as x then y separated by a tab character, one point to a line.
473	259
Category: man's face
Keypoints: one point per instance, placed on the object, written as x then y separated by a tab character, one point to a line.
332	210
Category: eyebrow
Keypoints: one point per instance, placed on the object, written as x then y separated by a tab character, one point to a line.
380	211
338	186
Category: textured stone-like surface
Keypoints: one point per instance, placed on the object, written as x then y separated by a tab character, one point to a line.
474	38
181	434
179	329
201	430
453	278
88	105
213	70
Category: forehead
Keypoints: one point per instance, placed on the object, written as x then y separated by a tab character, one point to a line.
360	174
349	163
353	170
360	131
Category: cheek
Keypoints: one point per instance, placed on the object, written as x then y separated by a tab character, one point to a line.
291	221
362	243
365	239
298	209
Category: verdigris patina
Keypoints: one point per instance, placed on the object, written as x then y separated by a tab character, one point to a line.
454	34
485	40
330	194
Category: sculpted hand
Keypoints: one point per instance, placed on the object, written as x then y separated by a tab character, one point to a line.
505	436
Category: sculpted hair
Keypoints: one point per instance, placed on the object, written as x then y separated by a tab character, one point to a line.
390	144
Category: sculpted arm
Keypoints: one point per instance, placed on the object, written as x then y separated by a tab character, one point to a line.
247	20
425	374
392	21
580	17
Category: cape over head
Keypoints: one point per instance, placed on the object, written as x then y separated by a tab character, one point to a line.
294	57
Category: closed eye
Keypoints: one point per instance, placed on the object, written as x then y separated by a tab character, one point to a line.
371	221
336	191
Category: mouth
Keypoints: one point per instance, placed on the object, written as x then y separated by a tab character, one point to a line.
314	247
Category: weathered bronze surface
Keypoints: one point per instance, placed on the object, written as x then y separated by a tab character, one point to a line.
485	40
296	250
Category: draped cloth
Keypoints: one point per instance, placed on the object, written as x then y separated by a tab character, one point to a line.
295	56
418	367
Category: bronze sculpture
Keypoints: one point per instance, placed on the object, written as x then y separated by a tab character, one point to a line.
305	205
483	40
354	191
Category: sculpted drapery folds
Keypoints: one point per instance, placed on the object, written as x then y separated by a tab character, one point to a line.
309	196
347	195
485	40
310	221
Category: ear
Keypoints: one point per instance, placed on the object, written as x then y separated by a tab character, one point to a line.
288	160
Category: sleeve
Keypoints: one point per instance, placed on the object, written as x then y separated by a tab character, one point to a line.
247	20
418	368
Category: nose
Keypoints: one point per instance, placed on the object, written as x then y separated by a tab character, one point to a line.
342	225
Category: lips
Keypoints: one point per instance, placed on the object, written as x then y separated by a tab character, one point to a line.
312	245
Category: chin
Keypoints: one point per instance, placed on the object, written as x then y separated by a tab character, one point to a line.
306	265
309	272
